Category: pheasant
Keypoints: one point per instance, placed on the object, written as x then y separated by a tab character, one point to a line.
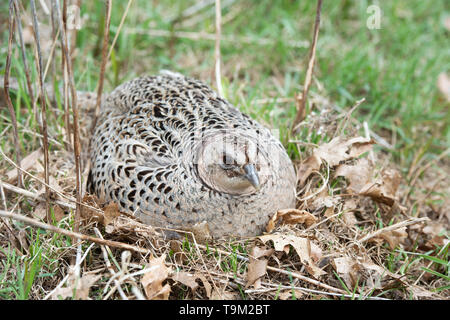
173	153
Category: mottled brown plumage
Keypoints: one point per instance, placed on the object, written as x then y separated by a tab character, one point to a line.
169	150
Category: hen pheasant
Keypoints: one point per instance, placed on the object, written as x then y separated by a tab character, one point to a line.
172	152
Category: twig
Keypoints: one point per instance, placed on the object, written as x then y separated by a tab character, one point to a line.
217	48
104	60
77	235
11	23
76	135
119	28
393	227
24	58
37	40
65	78
301	105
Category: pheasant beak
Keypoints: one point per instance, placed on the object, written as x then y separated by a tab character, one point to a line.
251	175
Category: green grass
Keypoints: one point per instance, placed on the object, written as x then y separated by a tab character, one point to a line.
395	68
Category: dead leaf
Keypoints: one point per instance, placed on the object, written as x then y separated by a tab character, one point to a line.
77	288
307	167
187	279
384	189
258	252
55	189
110	212
205	282
443	84
40	211
256	269
324	200
201	232
152	281
358	174
338	150
393	238
88	213
291	216
329	212
434	228
58	213
344	266
301	245
178	253
26	164
333	152
348	214
290	294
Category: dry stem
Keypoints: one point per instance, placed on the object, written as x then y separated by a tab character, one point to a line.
301	105
11	23
217	48
104	60
44	130
76	135
77	235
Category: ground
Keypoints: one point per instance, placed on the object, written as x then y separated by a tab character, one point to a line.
350	251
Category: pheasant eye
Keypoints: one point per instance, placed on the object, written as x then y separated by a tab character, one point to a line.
226	160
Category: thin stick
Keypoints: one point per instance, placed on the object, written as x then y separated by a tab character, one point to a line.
11	23
76	134
119	28
73	38
37	39
77	235
65	81
393	227
217	48
104	60
24	58
301	105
